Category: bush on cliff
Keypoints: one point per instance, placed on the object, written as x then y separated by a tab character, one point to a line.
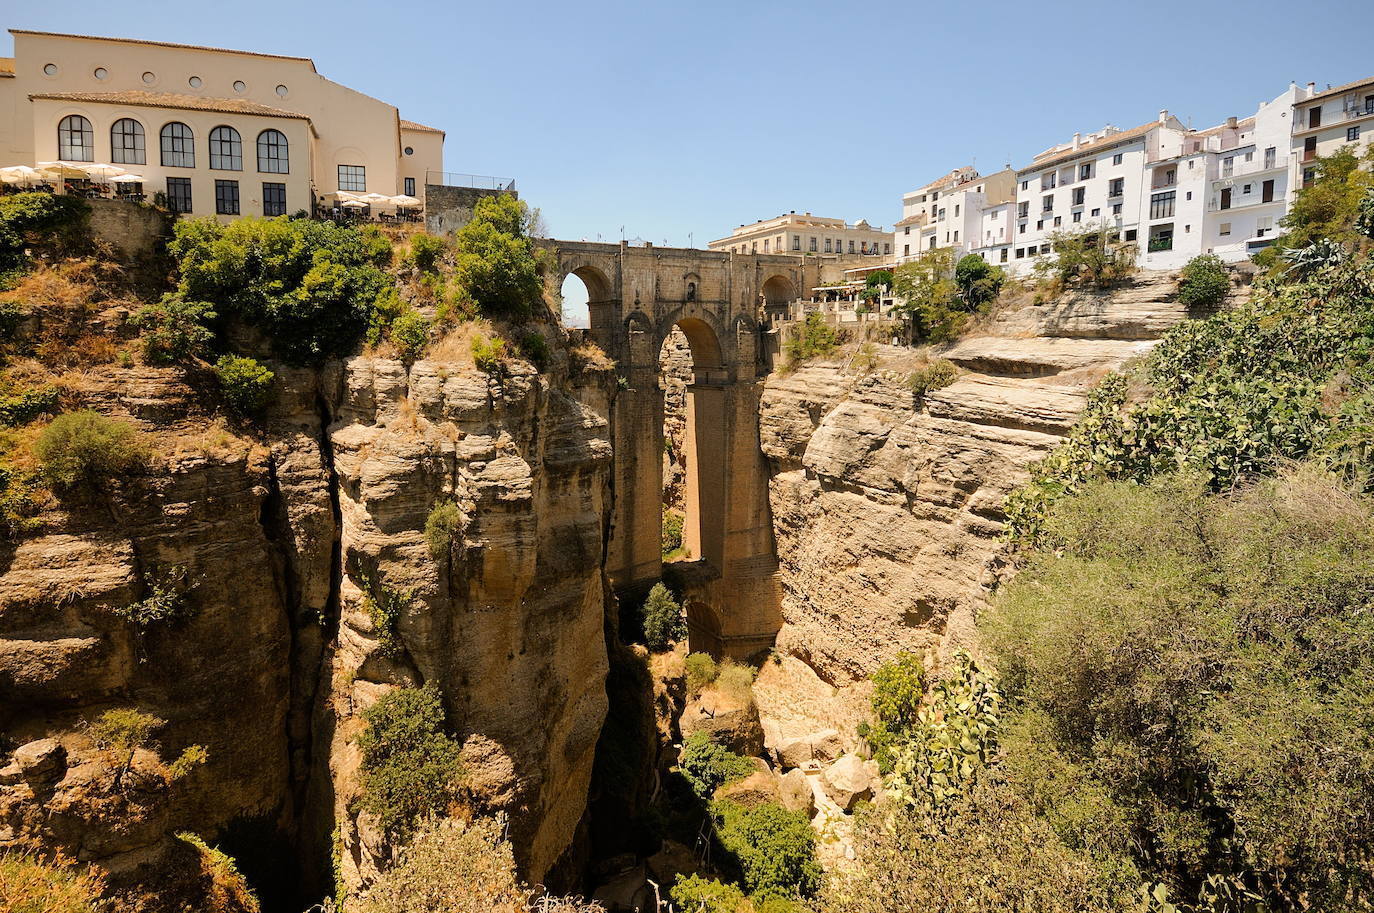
410	764
226	890
34	883
497	266
87	446
43	220
245	382
775	848
664	623
899	687
1203	282
813	338
707	765
311	287
442	526
174	329
1185	670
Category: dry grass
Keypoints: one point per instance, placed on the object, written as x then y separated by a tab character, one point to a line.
588	356
736	682
455	345
64	299
48	883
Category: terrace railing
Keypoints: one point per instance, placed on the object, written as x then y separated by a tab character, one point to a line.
476	181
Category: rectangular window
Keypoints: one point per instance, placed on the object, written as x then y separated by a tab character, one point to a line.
1116	159
1096	213
353	178
1025	185
1117	187
1264	225
956	237
1079	194
906	250
1047	203
1162	204
1003	256
1040	225
1116	209
851	246
887	247
1314	116
765	246
827	245
813	245
1078	216
1021	229
273	199
796	242
1270	157
1130	234
1085	171
1023	209
1225	201
1020	253
956	210
1224	229
179	194
227	198
1267	192
1352	134
1309	176
410	187
1058	221
1228	166
1047	181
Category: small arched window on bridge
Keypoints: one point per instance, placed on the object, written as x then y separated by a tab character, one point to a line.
691	291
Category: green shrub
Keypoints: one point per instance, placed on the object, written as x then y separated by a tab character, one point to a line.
443	524
1091	254
21	405
928	296
899	687
664	623
535	347
979	282
1203	282
426	250
409	333
174	329
30	883
496	265
707	765
226	890
192	757
701	671
410	764
933	375
165	603
384	606
489	354
87	446
814	338
309	286
121	732
775	848
878	279
1186	669
672	532
245	383
736	681
699	894
42	220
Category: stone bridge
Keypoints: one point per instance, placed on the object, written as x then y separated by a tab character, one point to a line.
719	300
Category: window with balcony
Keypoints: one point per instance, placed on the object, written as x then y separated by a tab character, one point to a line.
1271	157
766	248
1049	180
827	246
1162	204
1047	204
1023	209
1314	117
1116	187
1228	166
1369	104
1079	195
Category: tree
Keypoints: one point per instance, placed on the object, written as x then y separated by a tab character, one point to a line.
927	294
1203	282
496	263
410	765
1328	207
979	282
663	621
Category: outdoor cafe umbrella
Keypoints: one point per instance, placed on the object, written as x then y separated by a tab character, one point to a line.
374	198
353	204
127	178
100	170
19	174
60	169
403	200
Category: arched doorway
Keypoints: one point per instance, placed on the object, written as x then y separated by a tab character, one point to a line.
778	292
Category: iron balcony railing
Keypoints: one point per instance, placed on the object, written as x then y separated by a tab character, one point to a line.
475	181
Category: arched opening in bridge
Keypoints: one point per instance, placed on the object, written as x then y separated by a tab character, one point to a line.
778	292
575	297
690	374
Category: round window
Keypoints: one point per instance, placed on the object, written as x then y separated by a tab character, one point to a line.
240	85
409	151
194	82
150	77
101	73
281	91
49	69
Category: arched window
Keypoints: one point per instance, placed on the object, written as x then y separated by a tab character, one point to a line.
178	146
226	149
273	155
127	143
75	139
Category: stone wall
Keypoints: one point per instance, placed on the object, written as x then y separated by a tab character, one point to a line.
448	209
134	231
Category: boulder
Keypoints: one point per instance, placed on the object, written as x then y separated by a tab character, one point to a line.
43	763
797	795
673	860
758	788
729	722
827	745
850	780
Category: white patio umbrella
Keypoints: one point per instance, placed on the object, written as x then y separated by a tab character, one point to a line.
346	195
403	200
127	178
19	174
353	204
100	170
60	169
375	198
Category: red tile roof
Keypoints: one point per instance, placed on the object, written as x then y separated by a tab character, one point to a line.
170	100
1105	142
421	128
163	44
1338	90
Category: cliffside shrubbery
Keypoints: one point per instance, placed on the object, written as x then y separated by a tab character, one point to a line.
86	447
33	883
813	338
664	623
497	266
939	297
1203	282
707	765
410	765
44	221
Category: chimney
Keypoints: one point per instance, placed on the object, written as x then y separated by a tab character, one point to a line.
1231	122
1311	89
1163	115
1077	140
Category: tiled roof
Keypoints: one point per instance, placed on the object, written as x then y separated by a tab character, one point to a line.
909	220
411	125
6	66
171	100
163	44
1246	124
1338	90
941	181
1106	142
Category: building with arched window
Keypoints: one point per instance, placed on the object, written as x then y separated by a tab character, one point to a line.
215	132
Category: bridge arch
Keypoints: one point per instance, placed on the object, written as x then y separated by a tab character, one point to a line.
778	290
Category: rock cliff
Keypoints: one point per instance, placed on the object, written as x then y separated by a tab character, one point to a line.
887	504
281	531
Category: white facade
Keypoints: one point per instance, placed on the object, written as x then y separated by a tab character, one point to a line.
805	234
1326	120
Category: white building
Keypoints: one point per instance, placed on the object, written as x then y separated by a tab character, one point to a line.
1327	120
917	229
793	233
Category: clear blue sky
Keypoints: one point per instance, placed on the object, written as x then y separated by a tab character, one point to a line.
672	118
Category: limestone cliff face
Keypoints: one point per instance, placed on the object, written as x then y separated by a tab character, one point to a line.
277	532
887	506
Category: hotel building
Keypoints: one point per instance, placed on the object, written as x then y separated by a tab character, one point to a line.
792	233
